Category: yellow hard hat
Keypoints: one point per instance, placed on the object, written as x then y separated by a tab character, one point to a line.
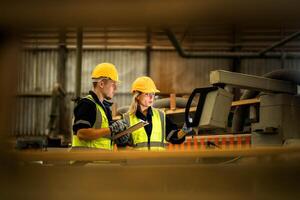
105	70
144	84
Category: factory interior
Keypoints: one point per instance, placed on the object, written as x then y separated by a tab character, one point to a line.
217	85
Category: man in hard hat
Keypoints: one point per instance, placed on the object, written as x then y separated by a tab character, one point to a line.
160	129
93	126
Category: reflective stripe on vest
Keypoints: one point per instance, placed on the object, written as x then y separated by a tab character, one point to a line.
100	122
157	138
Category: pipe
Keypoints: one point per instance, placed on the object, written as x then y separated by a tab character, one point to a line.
165	103
61	63
78	62
148	52
280	43
184	54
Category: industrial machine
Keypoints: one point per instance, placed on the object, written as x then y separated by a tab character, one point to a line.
275	121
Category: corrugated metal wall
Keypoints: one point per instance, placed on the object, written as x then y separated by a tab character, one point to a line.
262	66
37	74
259	66
175	74
32	115
292	64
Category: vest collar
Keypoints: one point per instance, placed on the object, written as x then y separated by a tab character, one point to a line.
140	115
105	104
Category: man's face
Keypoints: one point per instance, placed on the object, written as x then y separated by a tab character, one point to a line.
108	88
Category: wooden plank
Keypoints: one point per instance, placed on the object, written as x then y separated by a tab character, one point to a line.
245	102
172	101
90	155
220	136
179	110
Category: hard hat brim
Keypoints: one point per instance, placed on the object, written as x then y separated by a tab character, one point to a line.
146	91
98	79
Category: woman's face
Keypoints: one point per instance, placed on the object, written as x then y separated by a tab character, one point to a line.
146	99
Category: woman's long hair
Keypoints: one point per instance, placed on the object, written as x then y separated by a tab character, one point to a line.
134	103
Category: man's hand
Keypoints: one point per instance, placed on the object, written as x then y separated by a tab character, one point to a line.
118	126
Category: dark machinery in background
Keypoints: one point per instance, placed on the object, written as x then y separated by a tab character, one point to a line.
39	142
274	122
58	132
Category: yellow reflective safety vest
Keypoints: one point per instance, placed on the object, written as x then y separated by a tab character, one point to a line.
157	139
100	122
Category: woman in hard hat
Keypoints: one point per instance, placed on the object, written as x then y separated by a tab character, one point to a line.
160	129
